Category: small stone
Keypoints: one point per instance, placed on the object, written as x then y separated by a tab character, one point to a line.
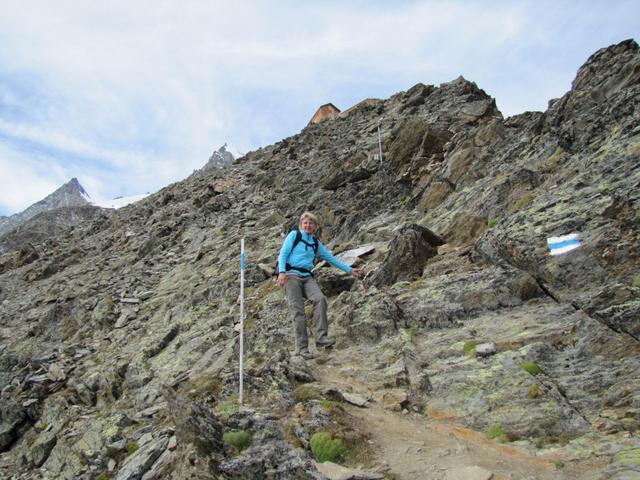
394	399
350	256
55	373
151	411
354	399
446	248
146	438
130	300
334	471
122	321
468	473
486	349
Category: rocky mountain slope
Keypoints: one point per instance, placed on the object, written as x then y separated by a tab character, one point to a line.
119	339
71	194
46	225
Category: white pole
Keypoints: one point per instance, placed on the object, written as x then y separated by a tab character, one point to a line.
379	143
241	315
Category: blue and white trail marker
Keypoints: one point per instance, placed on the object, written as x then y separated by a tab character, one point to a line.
563	244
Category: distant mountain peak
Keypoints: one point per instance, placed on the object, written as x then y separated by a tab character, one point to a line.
73	186
223	156
71	194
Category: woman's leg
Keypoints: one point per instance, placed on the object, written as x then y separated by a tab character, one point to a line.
294	288
312	292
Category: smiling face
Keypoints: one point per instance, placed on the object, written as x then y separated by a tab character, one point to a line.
307	225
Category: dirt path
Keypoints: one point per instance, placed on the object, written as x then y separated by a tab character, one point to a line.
414	446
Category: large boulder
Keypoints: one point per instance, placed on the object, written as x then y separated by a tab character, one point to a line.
409	249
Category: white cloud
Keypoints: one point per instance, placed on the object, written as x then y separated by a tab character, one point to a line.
25	182
135	95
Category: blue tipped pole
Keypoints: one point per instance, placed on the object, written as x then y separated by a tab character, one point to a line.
241	318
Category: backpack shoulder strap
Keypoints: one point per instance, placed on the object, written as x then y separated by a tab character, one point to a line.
296	241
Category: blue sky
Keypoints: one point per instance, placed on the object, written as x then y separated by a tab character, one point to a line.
130	96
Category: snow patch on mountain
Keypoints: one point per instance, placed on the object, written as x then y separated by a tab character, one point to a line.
120	202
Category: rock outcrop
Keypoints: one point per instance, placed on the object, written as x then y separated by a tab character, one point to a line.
119	339
71	194
219	159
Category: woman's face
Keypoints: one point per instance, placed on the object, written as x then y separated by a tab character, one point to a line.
308	225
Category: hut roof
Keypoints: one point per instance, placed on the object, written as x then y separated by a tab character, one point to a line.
325	112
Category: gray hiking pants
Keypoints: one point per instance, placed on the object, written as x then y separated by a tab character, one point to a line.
297	289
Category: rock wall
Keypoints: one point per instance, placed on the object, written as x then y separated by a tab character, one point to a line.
119	339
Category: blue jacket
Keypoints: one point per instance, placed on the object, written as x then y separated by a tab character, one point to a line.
303	255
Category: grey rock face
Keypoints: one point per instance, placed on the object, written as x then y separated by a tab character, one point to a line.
95	320
138	463
42	448
195	424
409	250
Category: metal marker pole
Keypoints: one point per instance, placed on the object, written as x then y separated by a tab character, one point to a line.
241	315
379	143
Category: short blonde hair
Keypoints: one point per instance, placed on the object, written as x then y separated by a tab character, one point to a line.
310	216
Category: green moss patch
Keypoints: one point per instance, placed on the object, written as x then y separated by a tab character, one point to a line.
469	347
522	202
238	440
410	332
328	405
531	368
325	448
628	457
495	432
227	407
132	447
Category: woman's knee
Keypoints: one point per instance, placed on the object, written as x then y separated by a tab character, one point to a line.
318	299
296	309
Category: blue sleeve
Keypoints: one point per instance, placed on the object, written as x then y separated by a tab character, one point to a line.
285	251
325	255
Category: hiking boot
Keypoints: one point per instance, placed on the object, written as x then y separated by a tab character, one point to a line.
306	354
326	343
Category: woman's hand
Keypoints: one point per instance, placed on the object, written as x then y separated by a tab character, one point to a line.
282	278
357	272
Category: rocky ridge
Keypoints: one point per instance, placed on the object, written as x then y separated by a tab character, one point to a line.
119	339
219	159
71	194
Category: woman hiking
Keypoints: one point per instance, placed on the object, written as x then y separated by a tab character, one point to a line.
295	262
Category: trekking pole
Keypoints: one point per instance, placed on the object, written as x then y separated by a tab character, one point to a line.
241	315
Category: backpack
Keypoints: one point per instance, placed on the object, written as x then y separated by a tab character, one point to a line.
296	241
